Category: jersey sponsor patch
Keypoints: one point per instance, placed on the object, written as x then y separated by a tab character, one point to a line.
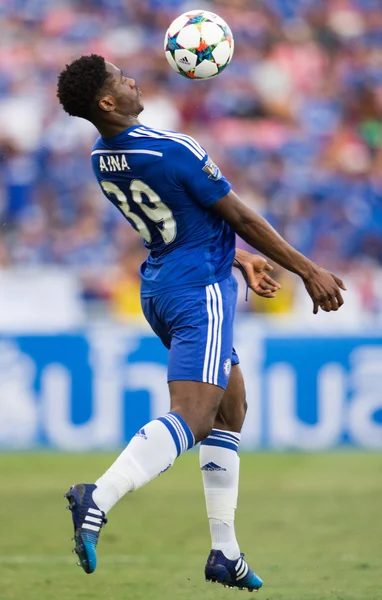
214	172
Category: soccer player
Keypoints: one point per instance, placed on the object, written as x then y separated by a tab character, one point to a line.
171	192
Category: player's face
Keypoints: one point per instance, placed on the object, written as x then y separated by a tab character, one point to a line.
127	96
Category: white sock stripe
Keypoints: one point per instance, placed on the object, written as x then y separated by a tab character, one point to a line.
229	434
243	574
92	527
218	350
95	511
179	429
182	136
209	335
150	134
93	519
182	433
220	439
214	336
226	438
175	424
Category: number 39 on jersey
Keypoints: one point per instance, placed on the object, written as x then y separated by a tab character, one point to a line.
158	213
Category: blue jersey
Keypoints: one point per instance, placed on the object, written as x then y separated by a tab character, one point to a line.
164	184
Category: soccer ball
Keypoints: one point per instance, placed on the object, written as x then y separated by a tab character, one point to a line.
199	44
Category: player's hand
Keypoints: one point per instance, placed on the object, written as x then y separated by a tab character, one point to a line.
324	289
256	274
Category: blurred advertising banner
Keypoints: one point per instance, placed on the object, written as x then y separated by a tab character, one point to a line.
95	388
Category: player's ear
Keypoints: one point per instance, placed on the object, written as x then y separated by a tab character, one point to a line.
107	103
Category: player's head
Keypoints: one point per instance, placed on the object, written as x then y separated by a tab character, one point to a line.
96	90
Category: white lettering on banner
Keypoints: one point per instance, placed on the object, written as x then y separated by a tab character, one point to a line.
348	397
286	430
18	404
366	387
104	428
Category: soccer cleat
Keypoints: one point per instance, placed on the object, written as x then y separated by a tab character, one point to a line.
87	520
231	573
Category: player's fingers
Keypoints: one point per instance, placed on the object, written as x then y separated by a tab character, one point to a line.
268	267
340	300
339	282
272	282
325	303
333	303
316	304
266	286
264	293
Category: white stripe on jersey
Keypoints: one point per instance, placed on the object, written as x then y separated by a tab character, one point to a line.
181	136
150	134
214	334
209	335
127	152
218	349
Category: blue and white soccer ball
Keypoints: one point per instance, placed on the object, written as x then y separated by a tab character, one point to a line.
199	44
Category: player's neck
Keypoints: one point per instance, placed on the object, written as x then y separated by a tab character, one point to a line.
114	128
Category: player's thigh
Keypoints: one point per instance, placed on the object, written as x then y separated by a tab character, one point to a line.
202	334
160	328
233	407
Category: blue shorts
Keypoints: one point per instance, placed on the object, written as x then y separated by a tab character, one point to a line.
196	325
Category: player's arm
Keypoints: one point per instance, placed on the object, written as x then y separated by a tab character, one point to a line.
254	269
322	286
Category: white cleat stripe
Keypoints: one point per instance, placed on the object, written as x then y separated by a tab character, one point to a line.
91	527
241	570
244	574
239	564
95	511
93	520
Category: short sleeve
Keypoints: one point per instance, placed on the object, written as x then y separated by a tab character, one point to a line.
197	173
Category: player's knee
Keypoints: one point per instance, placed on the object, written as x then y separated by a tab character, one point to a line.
200	422
205	429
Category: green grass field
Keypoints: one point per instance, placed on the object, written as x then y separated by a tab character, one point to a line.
310	525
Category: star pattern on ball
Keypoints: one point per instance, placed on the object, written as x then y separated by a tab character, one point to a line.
199	46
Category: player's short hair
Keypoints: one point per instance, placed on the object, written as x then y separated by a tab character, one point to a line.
80	84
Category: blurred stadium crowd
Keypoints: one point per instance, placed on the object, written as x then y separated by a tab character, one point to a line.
295	123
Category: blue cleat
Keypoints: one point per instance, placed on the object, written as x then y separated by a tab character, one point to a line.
231	573
87	520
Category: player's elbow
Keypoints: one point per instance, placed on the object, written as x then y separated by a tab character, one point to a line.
242	226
